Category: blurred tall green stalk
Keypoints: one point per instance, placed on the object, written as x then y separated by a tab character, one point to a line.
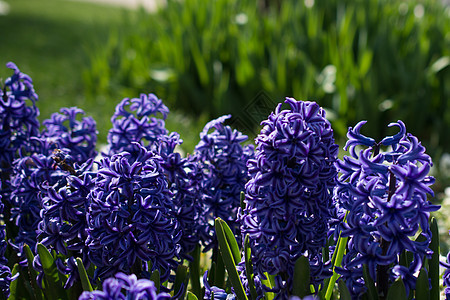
379	60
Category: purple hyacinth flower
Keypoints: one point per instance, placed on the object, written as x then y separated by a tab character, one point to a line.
221	161
289	195
129	217
68	132
214	292
18	124
126	287
137	120
183	181
384	188
32	177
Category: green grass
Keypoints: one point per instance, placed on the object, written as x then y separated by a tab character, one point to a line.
51	40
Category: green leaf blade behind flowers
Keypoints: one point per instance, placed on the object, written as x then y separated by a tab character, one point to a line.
344	293
302	275
397	291
54	286
85	283
370	284
249	267
433	263
191	296
194	272
181	281
228	258
32	274
422	286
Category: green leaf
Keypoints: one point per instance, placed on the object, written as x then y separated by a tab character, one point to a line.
422	287
249	267
191	296
13	287
32	274
194	271
342	245
231	240
181	281
242	198
228	259
156	278
344	293
433	263
301	277
219	270
200	63
365	62
371	289
268	282
336	261
212	273
397	291
54	288
85	283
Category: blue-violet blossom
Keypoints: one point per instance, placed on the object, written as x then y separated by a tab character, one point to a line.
289	195
385	194
183	179
126	287
18	124
128	217
222	165
67	132
135	120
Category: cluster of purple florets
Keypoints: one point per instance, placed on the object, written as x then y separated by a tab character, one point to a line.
384	188
142	207
124	287
221	160
289	195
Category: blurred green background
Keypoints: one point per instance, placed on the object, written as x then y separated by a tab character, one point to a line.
375	60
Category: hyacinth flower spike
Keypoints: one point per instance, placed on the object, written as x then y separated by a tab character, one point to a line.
137	120
129	223
221	161
384	187
289	195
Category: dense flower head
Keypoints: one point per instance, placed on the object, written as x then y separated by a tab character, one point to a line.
126	287
129	218
136	120
182	177
289	195
384	188
32	177
63	224
221	159
18	122
68	132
